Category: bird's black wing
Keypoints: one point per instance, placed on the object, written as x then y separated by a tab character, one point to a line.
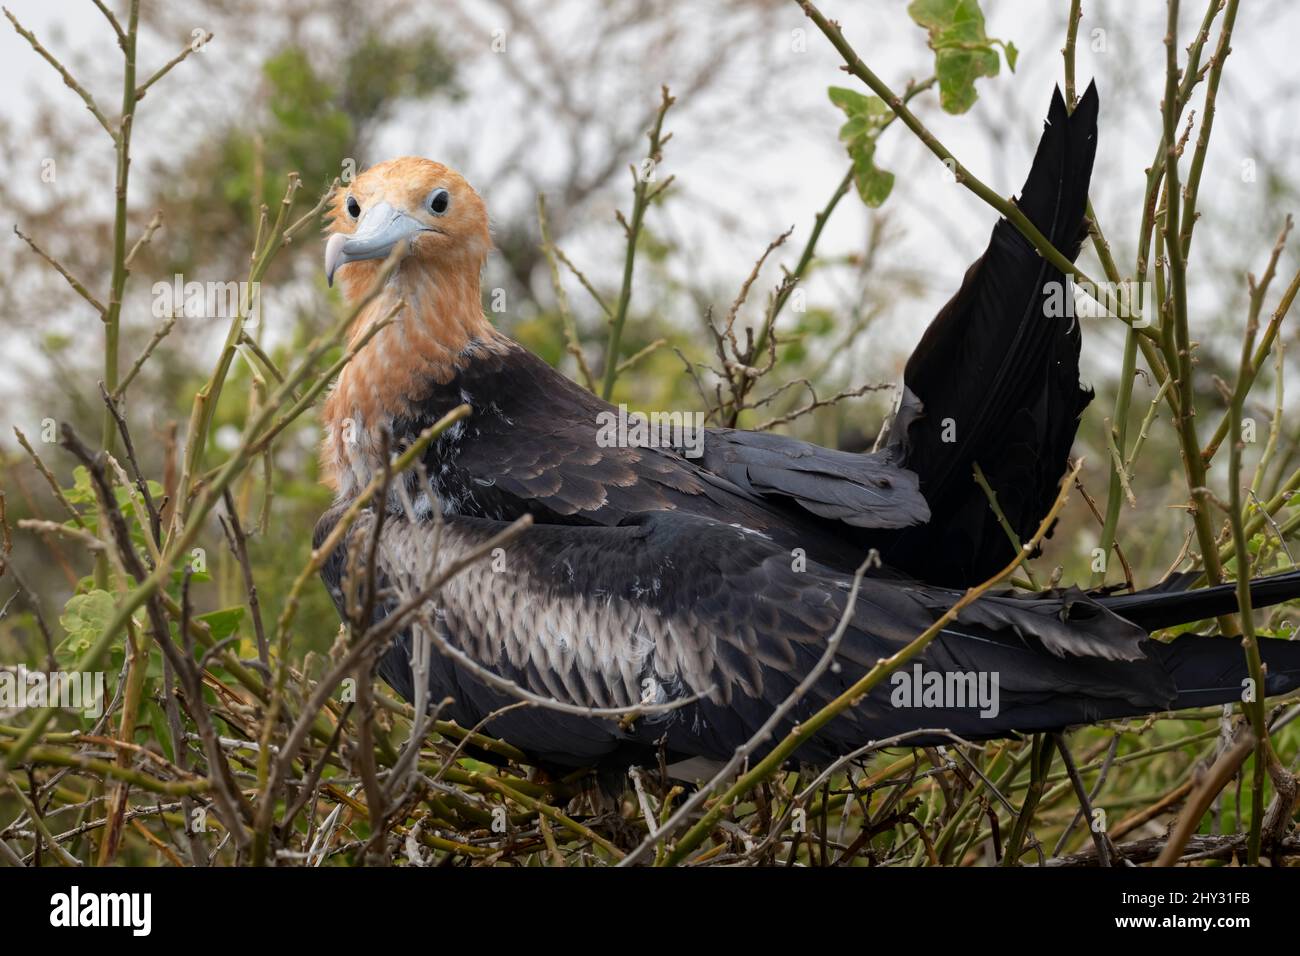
671	607
995	379
862	490
538	443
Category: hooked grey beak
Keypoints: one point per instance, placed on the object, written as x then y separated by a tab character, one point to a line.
381	228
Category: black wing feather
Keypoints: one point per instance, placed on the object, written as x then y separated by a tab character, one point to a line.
865	491
995	379
532	446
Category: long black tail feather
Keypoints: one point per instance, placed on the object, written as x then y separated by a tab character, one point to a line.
1160	607
1212	670
1193	670
1204	671
995	378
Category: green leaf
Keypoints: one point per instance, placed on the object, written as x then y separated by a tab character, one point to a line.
1011	53
817	322
84	618
196	577
957	71
867	117
158	722
850	101
80	493
57	342
874	184
963	52
223	623
871	109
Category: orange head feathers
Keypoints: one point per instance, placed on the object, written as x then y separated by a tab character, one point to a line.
426	204
439	224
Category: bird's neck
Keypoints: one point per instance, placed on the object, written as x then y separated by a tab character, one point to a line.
435	327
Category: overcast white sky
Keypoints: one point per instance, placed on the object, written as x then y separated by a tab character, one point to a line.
942	226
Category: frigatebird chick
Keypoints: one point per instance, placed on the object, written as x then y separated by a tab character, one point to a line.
651	577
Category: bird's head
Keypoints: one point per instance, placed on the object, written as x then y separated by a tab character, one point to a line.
427	205
431	306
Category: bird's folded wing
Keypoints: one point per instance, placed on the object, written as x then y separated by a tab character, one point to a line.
711	622
863	490
545	446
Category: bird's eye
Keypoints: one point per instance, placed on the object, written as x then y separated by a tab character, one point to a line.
354	207
439	200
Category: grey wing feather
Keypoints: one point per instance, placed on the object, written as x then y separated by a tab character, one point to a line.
863	490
